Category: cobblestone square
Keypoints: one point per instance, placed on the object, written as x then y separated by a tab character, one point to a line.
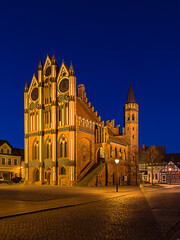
89	213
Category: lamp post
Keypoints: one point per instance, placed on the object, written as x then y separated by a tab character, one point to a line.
170	169
116	161
20	170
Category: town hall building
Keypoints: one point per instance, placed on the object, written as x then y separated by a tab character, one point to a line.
66	142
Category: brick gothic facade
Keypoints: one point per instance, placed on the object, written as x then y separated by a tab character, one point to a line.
66	143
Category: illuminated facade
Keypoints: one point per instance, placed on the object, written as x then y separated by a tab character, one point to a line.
10	161
66	143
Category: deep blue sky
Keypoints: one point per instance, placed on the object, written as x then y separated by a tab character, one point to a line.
111	44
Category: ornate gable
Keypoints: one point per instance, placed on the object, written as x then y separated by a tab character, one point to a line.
47	67
33	89
63	72
34	82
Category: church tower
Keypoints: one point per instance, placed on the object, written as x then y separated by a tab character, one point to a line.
131	131
49	118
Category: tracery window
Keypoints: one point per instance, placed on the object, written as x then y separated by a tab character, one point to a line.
35	150
49	148
63	147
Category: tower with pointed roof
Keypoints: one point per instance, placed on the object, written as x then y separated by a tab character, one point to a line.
66	142
131	130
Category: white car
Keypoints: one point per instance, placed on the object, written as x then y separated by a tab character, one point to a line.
1	179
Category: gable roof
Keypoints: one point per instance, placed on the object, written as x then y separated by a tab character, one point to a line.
82	110
5	141
118	140
174	157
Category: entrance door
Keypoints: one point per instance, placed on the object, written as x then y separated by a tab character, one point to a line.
100	155
49	178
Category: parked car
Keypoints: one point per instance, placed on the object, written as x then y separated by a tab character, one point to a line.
2	180
17	180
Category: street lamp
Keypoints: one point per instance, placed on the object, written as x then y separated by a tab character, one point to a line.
170	169
20	170
116	161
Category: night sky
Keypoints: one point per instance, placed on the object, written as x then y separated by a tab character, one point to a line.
111	44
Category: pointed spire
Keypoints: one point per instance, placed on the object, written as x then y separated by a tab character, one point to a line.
48	56
40	67
26	87
130	96
54	59
71	69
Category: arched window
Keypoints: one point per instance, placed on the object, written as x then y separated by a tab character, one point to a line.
133	118
61	149
59	115
110	152
35	150
62	171
100	155
65	149
115	152
120	153
128	117
49	148
36	175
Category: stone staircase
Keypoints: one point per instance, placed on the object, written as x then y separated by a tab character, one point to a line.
84	171
91	174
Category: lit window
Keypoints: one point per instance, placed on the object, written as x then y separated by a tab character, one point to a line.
3	161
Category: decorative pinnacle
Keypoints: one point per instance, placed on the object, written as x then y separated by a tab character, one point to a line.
71	69
40	67
26	87
54	59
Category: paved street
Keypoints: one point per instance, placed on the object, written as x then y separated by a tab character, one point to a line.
90	213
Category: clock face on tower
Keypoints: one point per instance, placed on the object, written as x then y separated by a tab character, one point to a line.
34	94
64	85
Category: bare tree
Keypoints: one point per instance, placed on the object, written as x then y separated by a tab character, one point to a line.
153	158
133	163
